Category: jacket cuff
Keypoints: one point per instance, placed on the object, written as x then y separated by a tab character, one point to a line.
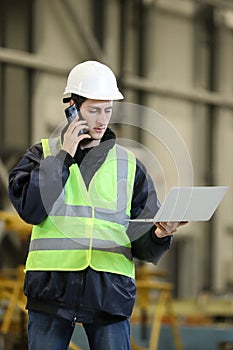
66	158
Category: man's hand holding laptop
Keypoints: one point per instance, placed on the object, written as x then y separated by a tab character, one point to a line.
164	229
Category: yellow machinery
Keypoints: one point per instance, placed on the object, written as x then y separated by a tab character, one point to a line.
145	283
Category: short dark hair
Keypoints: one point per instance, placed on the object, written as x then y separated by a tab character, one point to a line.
78	100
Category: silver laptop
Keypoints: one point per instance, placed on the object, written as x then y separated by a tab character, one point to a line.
189	204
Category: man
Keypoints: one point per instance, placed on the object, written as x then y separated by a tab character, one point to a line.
79	191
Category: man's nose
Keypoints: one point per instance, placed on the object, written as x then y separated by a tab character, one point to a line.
102	117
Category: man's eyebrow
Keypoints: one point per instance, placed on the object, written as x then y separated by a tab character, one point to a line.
97	107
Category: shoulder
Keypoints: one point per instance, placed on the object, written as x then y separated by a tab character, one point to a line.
35	152
36	148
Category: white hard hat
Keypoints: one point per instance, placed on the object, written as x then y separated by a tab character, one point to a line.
94	80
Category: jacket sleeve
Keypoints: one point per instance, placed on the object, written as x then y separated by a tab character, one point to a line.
35	183
146	246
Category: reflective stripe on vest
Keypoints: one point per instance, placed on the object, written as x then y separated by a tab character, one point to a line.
88	227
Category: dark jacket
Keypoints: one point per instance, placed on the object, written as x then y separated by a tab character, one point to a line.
88	295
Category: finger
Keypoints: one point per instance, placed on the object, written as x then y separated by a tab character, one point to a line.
170	229
162	233
182	223
167	227
79	126
75	123
76	128
160	226
159	233
172	225
83	136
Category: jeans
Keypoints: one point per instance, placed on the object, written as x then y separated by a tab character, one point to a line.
49	332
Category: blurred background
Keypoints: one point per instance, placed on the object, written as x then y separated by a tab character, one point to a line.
174	57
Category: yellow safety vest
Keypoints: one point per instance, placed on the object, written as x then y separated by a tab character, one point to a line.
87	227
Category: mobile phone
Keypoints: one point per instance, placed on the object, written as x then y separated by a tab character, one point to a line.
71	113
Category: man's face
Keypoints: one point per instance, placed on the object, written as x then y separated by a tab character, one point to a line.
97	113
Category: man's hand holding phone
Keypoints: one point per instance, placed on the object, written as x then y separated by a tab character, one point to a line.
76	131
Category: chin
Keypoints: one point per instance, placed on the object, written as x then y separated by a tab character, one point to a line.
96	136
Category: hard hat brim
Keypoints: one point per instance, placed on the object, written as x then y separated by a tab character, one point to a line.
117	96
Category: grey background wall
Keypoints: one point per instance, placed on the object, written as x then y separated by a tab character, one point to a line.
175	57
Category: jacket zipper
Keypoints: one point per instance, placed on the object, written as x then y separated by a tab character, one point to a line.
79	298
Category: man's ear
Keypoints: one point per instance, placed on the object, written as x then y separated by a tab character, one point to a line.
71	103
